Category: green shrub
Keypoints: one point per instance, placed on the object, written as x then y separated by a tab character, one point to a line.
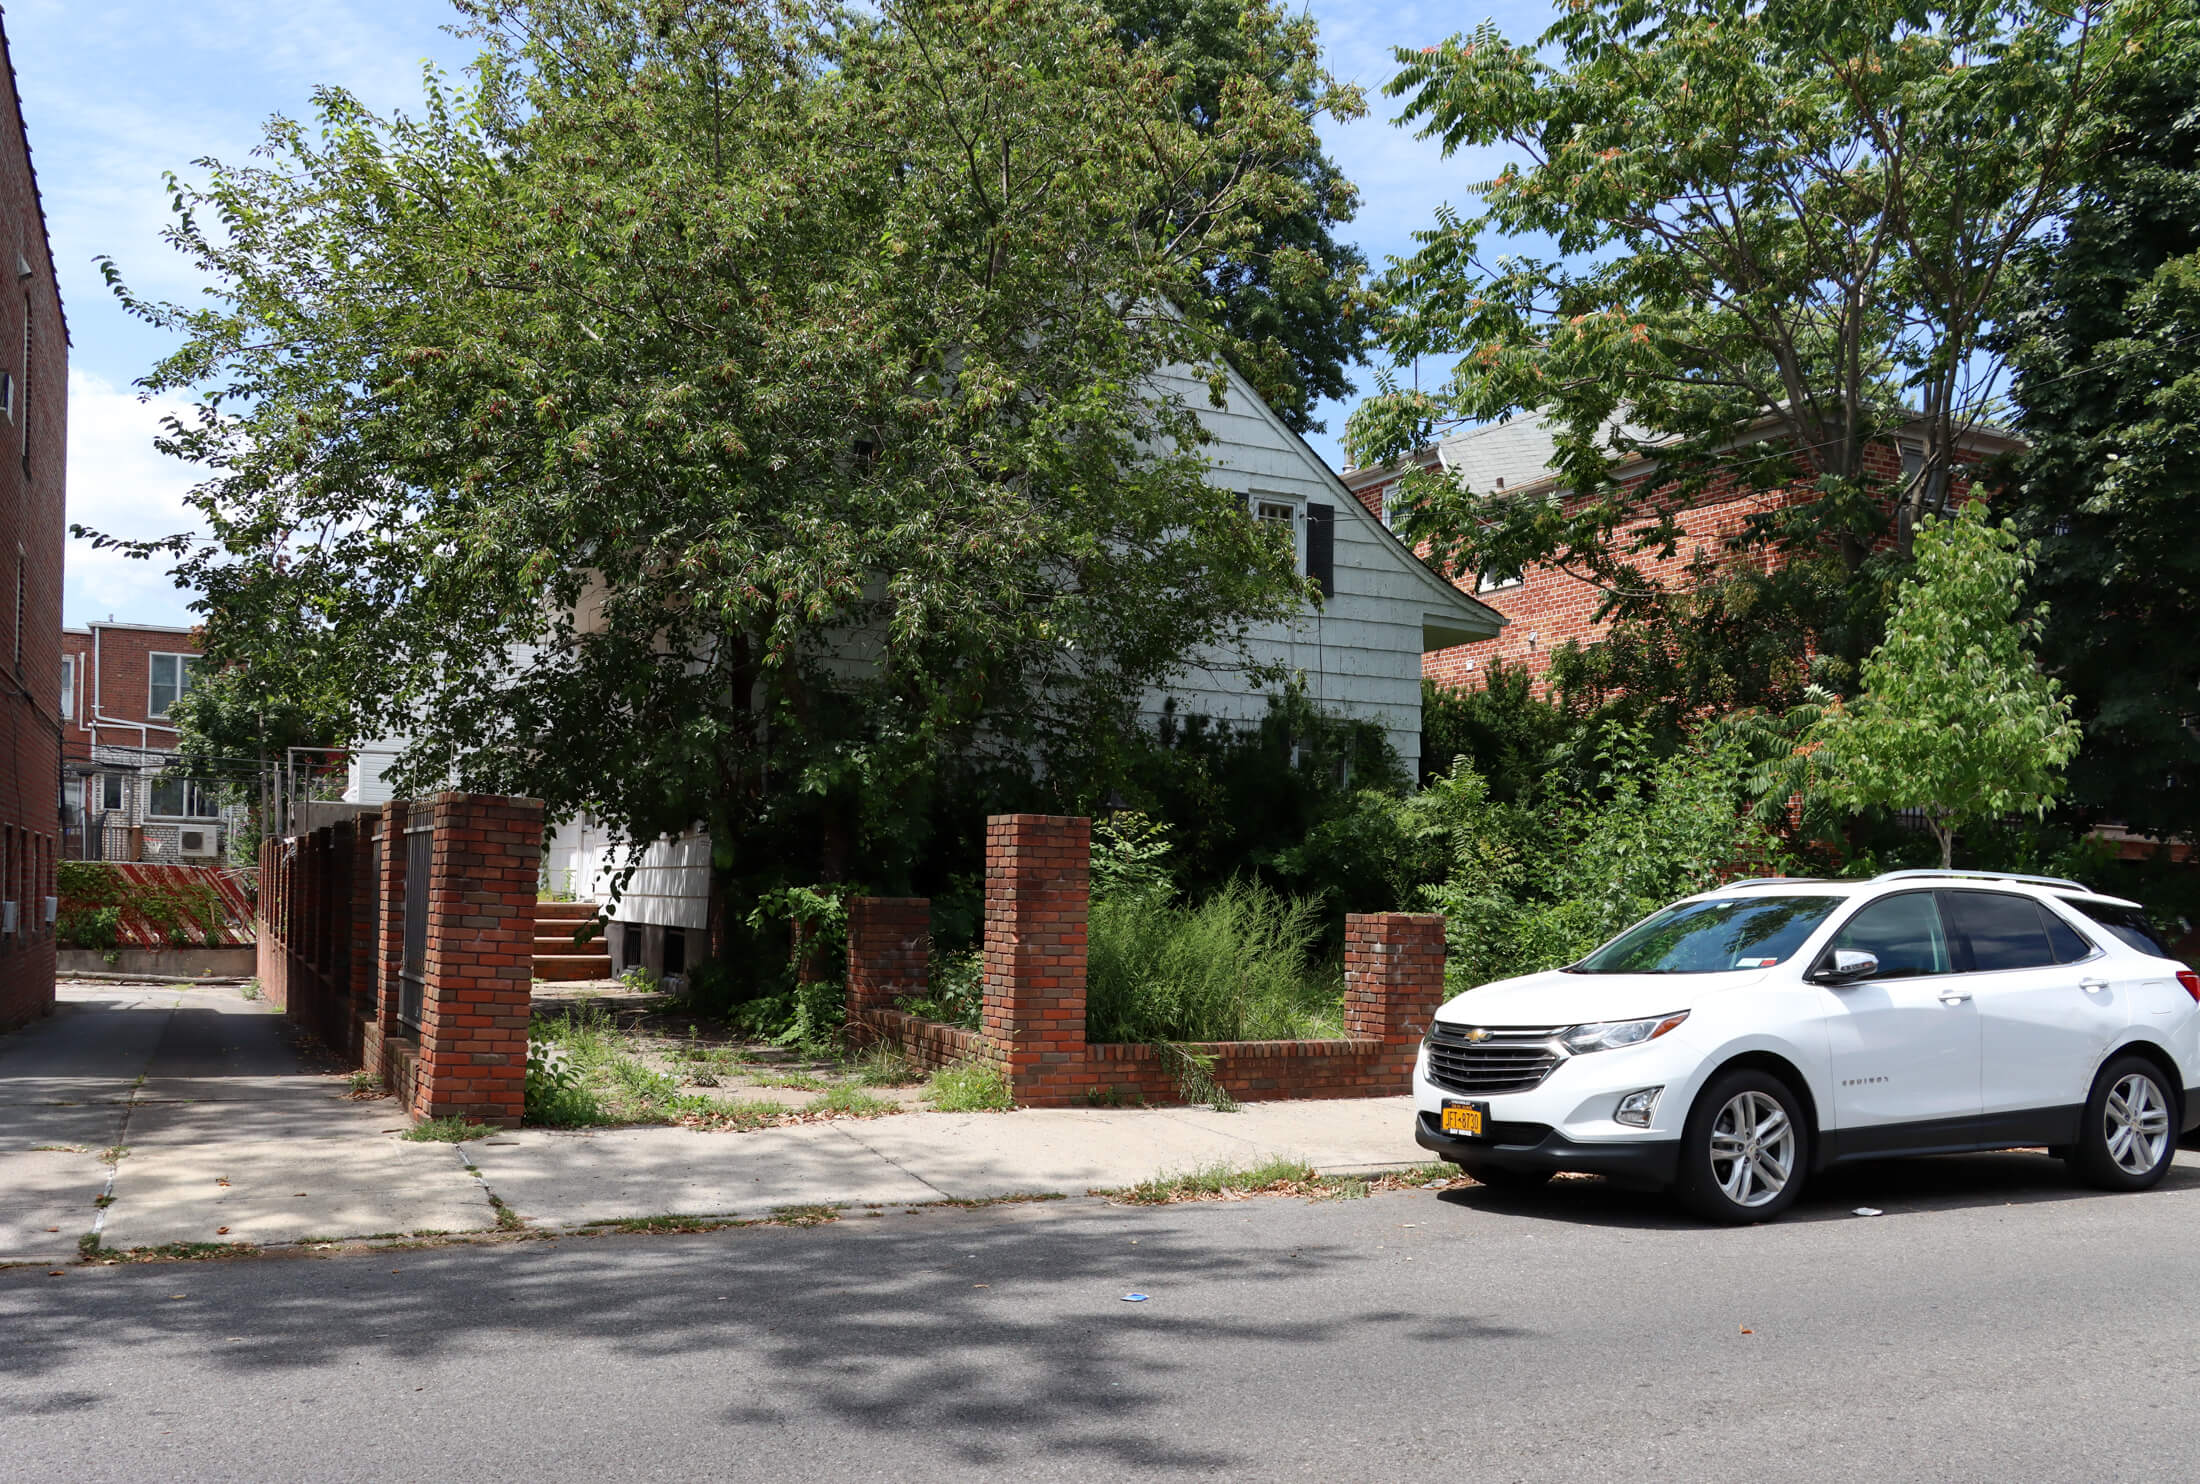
89	927
1236	967
956	992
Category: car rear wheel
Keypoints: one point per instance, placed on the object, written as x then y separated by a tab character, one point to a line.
1744	1148
2129	1135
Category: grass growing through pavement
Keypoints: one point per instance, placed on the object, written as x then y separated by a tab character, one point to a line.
883	1066
1278	1177
447	1131
971	1087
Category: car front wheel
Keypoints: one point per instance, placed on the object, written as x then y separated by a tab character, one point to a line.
2129	1135
1744	1149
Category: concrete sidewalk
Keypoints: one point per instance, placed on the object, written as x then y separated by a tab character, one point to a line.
229	1135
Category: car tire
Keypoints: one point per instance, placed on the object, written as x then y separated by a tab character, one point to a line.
1511	1182
1732	1149
2129	1134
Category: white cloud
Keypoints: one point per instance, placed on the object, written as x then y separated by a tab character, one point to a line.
120	484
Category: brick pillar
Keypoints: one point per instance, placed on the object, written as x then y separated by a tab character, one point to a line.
1038	871
481	958
1393	974
889	951
388	939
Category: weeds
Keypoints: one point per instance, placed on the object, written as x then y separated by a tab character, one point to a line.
740	1117
883	1066
1280	1177
364	1084
250	989
1236	967
556	1097
791	1081
969	1087
853	1102
804	1215
447	1131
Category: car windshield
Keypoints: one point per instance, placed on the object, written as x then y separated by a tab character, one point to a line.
1712	937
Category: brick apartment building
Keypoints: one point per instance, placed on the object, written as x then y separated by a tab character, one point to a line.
34	378
1544	608
122	798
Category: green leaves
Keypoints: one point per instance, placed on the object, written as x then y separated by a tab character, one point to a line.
734	414
1750	245
1955	718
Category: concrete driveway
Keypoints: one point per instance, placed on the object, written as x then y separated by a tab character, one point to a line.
147	1114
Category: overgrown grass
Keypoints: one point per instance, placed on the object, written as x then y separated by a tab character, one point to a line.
883	1066
848	1101
1239	966
970	1087
447	1131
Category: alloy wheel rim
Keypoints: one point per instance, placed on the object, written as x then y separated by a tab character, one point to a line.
2136	1122
1752	1149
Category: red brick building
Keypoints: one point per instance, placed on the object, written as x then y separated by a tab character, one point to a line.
121	800
34	379
1545	608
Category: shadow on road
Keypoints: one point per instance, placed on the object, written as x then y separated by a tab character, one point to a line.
990	1333
1895	1186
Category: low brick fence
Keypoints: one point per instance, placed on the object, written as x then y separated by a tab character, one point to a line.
1038	880
403	939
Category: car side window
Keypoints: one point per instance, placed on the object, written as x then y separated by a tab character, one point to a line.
2069	944
2002	932
1903	932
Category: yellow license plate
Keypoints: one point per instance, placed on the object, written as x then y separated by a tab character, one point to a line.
1463	1121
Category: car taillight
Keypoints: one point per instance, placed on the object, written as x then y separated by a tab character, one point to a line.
2191	981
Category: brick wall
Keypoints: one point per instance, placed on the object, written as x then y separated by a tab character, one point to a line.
33	438
1037	876
331	948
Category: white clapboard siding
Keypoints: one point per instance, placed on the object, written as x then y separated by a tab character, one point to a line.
1360	652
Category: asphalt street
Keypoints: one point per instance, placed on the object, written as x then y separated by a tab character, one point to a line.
1994	1323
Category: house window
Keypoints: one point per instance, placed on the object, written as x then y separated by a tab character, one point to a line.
1280	518
169	682
68	686
110	791
1491	582
180	798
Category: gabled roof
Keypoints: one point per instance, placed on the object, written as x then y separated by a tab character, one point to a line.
1457	616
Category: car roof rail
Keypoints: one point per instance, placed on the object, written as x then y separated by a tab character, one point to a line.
2056	881
1767	881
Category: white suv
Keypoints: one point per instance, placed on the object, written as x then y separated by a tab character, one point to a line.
1739	1039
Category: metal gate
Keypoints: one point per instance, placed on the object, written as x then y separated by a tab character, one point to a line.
412	974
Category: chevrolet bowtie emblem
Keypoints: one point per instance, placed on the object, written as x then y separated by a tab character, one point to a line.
1478	1034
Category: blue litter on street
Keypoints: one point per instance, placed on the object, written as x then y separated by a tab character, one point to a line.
1134	1298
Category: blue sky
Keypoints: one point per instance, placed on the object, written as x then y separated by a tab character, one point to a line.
116	92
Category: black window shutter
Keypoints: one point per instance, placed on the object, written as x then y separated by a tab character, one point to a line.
1321	547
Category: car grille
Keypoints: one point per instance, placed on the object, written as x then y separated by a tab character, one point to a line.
1513	1059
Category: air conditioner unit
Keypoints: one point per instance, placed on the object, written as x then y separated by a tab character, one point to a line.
196	842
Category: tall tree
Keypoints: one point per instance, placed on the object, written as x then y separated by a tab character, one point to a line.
732	413
2107	387
1292	295
1733	212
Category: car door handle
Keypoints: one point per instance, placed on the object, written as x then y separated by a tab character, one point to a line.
2094	986
1954	996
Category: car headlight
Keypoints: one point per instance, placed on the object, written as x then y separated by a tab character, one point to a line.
1604	1035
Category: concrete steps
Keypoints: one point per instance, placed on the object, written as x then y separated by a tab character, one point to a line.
557	956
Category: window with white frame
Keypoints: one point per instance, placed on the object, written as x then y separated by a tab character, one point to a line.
1280	516
168	681
68	686
1491	582
171	797
110	791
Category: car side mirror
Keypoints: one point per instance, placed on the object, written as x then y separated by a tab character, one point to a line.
1848	966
